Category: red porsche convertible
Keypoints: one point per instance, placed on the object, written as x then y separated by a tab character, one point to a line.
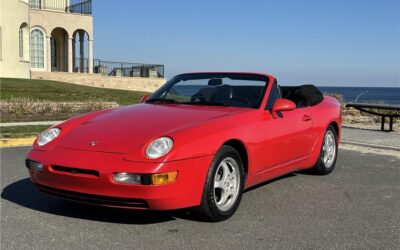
198	141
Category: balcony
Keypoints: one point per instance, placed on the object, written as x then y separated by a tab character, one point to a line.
67	6
119	69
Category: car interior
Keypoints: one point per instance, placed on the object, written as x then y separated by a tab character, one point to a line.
302	96
249	96
236	96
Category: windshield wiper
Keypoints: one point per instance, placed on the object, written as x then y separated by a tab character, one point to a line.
161	100
206	103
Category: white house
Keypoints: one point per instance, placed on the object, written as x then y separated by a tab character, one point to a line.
45	35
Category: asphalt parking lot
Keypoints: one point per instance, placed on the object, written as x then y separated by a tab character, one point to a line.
357	206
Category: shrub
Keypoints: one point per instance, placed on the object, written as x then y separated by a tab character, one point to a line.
26	106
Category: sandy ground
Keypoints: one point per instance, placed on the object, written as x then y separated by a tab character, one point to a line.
356	119
367	150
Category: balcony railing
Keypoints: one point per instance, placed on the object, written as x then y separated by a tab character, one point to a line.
122	69
119	69
71	6
79	6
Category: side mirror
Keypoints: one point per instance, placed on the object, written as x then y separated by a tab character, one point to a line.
144	98
282	105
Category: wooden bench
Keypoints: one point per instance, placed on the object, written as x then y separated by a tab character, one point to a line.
368	108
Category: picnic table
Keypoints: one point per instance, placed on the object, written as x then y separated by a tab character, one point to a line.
379	110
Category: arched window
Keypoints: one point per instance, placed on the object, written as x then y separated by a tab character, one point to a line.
23	40
37	49
21	43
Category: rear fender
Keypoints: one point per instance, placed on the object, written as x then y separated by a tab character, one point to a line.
316	149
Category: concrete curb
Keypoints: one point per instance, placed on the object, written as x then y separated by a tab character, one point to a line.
370	145
15	124
16	142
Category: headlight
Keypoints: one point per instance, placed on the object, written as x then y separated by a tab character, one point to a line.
47	136
159	147
127	178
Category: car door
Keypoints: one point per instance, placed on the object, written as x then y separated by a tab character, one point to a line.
288	137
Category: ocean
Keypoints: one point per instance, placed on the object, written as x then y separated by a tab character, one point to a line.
366	94
350	94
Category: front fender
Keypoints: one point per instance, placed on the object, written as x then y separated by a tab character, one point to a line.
67	126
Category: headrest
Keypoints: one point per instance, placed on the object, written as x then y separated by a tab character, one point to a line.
215	82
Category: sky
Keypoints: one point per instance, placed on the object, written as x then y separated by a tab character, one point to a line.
322	42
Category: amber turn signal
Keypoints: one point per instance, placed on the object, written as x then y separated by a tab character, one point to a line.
164	178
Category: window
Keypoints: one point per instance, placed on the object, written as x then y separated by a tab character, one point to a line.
21	43
37	49
34	4
275	94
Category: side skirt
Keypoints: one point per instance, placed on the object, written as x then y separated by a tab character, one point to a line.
277	171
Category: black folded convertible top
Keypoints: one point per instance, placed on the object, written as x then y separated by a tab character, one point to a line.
304	95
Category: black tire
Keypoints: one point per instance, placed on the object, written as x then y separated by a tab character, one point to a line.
208	209
321	167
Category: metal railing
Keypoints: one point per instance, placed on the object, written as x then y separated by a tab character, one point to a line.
81	65
73	6
122	69
119	69
79	6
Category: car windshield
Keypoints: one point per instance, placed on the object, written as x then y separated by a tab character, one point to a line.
213	89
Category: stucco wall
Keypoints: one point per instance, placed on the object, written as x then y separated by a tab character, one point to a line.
13	13
55	24
101	81
49	20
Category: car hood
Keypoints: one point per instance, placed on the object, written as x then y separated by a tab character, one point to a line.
124	129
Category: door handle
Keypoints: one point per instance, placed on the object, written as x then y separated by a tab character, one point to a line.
306	118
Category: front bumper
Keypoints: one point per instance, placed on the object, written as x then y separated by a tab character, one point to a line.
95	184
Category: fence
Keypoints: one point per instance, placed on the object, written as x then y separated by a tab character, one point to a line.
75	6
122	69
107	68
79	6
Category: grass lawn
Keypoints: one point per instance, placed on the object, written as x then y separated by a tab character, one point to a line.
44	90
61	91
21	131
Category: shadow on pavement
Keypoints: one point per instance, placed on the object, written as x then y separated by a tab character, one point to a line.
269	182
24	193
